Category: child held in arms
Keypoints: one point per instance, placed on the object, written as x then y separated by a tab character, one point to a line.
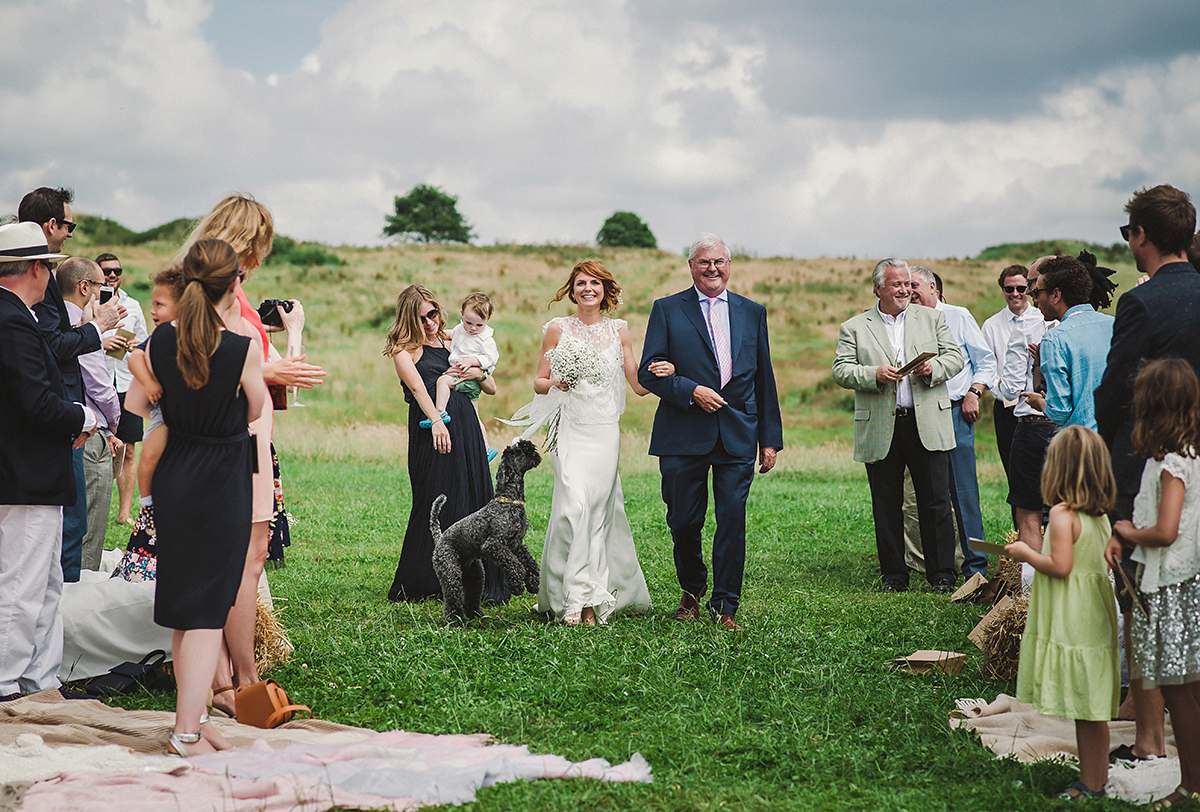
138	562
471	345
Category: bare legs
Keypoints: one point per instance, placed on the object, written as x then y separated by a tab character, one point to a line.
1029	527
1184	702
1092	740
125	477
239	628
1147	705
195	653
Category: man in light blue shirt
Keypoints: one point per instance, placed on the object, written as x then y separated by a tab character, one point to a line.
964	389
1074	354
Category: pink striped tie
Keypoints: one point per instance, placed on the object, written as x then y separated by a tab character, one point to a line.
716	329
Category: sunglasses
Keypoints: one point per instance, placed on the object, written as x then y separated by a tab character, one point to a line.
1034	292
432	315
1015	288
70	226
113	271
1125	232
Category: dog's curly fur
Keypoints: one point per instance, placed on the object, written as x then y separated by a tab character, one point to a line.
495	531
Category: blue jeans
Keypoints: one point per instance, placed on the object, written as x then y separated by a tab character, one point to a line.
966	488
75	522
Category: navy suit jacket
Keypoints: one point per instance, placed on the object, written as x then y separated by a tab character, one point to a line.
677	332
1157	319
37	423
66	342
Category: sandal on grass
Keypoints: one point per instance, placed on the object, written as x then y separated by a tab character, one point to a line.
1180	794
1080	791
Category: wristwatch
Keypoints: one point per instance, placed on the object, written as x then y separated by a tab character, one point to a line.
976	392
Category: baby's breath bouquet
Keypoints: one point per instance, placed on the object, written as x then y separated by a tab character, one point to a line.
573	361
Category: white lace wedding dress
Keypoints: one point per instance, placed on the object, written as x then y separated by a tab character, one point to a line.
589	558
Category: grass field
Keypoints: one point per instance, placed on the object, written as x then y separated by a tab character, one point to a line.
797	712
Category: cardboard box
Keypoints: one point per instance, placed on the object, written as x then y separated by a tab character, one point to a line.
976	635
970	589
924	661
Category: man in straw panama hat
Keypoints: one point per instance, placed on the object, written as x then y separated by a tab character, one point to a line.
36	436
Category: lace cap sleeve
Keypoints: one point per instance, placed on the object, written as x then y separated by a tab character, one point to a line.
620	323
556	320
1182	468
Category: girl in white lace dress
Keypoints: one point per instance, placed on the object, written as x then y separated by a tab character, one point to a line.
589	567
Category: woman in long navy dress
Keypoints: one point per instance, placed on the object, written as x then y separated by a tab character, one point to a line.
448	458
212	386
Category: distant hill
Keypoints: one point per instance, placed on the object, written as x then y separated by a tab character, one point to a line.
1026	252
102	231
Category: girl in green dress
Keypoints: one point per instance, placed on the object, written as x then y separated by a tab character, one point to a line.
1069	666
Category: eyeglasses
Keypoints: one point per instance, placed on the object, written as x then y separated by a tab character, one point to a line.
113	271
432	315
92	282
1033	292
1125	232
70	226
719	264
1015	288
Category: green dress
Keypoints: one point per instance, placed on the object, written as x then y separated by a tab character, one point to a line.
1069	666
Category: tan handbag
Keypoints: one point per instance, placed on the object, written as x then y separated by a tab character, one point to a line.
265	704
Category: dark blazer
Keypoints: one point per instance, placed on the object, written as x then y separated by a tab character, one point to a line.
1157	319
67	343
37	423
677	332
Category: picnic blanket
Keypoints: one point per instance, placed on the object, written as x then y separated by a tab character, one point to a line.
82	754
1015	729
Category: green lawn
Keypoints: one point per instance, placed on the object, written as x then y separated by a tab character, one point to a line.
798	712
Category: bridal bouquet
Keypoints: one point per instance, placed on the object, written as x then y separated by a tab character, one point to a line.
575	361
571	362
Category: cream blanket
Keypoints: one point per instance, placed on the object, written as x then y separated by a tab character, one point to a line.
82	754
1015	730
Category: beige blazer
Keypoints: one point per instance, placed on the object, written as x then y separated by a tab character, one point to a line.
863	345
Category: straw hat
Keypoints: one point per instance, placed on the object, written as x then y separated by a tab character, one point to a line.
22	241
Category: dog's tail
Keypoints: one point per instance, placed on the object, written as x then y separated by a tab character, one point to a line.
435	527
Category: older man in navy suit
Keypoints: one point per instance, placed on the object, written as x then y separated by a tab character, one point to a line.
718	412
35	469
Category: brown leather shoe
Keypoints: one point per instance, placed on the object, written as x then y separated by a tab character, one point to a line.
689	608
727	621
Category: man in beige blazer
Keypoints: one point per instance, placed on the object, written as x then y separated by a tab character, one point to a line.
903	421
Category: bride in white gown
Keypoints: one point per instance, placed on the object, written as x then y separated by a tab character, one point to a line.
589	567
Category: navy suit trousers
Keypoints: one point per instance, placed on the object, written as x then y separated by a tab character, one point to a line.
685	492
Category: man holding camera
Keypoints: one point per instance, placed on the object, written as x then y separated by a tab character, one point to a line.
118	341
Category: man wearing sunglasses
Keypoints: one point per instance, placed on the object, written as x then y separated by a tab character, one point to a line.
1157	319
129	431
51	210
1014	284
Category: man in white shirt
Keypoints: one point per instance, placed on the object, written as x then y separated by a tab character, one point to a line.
1019	372
129	430
965	389
1014	283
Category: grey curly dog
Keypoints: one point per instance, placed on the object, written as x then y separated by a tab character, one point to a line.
495	531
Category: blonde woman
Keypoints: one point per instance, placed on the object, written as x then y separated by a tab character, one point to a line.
447	458
248	227
212	385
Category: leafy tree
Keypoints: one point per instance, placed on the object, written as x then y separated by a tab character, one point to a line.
427	214
626	230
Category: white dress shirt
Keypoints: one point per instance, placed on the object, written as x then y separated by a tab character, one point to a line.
996	331
895	332
980	362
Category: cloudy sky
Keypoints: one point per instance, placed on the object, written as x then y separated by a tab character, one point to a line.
789	127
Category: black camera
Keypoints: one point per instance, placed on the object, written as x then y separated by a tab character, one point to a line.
268	311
